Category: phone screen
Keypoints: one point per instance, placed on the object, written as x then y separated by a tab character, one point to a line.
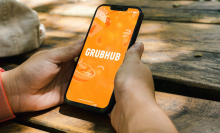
102	55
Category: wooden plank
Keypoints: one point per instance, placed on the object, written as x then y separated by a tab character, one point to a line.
185	68
169	49
182	15
11	127
156	35
179	36
39	3
69	119
187	11
206	5
188	114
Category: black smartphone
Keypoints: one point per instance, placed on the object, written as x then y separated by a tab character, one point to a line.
114	29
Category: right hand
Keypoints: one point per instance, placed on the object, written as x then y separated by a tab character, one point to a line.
136	109
41	81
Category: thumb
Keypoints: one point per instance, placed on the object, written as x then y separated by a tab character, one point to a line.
67	53
135	52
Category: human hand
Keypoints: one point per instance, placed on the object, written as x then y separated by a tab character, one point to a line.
41	81
136	109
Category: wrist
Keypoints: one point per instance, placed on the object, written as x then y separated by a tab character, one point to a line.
135	106
9	84
138	96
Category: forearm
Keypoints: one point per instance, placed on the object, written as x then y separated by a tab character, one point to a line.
136	110
142	114
150	119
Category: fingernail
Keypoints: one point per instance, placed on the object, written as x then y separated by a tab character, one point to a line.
138	45
80	41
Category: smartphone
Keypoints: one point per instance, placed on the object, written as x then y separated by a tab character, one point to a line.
113	30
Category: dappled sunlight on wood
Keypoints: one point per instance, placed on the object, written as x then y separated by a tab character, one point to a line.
173	111
11	127
188	11
75	10
169	46
172	36
190	111
179	36
163	56
207	19
202	26
69	24
36	3
60	34
70	119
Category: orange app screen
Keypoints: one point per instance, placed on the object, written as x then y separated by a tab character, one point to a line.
103	53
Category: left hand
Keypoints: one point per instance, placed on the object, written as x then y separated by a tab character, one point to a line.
136	110
41	81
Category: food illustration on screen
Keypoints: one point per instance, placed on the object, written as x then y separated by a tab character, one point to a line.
99	40
102	55
102	21
83	72
102	14
134	14
127	37
95	29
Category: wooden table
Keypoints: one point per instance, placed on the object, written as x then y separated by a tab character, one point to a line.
173	32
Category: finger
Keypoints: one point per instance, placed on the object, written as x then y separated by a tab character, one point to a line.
131	69
135	52
67	53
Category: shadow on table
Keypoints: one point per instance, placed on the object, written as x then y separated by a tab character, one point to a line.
101	122
26	119
66	118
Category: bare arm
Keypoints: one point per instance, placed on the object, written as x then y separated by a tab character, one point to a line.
41	81
136	110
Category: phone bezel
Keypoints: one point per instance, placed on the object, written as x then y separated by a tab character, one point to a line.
111	104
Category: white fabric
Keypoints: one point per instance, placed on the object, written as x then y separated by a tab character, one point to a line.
19	28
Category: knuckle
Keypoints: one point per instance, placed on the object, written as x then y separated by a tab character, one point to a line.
69	50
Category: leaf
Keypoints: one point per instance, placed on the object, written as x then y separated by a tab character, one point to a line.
199	54
176	5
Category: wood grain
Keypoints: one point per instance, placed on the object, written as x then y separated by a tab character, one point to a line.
169	48
11	127
206	5
40	3
188	114
188	11
69	119
156	35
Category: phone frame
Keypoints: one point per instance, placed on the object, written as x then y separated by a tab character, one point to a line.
133	39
